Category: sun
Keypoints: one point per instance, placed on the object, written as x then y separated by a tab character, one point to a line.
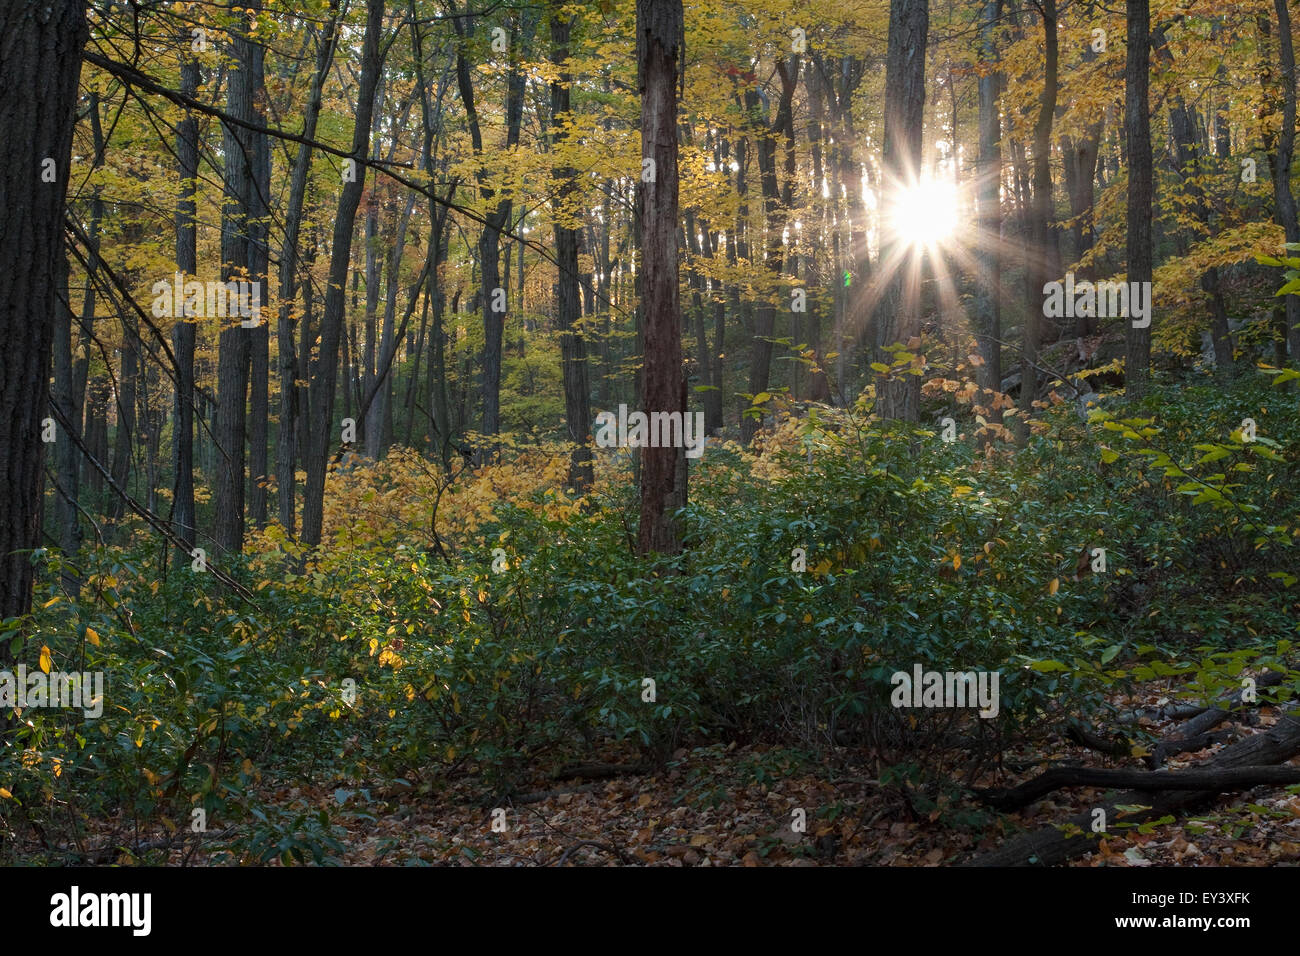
925	214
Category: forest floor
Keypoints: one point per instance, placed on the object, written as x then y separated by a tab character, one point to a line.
734	806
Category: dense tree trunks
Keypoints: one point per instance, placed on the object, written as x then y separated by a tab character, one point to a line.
380	410
1137	137
498	217
1187	154
324	381
40	62
290	407
896	316
568	233
1080	156
774	215
663	385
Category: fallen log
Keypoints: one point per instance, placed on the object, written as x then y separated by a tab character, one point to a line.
1194	735
1085	736
1183	745
1074	837
1235	778
1193	711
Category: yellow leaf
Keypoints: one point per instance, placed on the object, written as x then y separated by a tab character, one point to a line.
6	794
92	636
956	562
46	660
1054	586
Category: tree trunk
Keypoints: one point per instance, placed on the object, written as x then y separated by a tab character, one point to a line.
1039	266
324	381
183	333
498	217
1281	150
663	386
897	315
234	355
259	335
988	312
39	75
290	409
1137	135
774	214
568	304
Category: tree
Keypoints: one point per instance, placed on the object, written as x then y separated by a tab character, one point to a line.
39	74
290	412
1137	138
896	315
1279	141
183	333
1041	237
659	33
498	216
236	346
774	212
988	311
324	382
568	233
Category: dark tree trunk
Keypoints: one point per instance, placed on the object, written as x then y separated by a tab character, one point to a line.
988	313
290	408
498	217
259	335
127	383
234	356
39	73
1281	150
568	304
1137	136
183	333
1039	267
897	316
760	366
663	386
66	497
324	381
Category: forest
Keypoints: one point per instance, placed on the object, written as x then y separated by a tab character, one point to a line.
645	433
